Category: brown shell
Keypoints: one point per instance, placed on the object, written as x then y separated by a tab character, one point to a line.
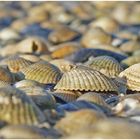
62	34
6	75
107	65
42	72
32	45
132	76
131	60
41	97
108	24
85	79
130	46
15	63
62	64
93	97
67	96
65	49
17	108
94	37
78	120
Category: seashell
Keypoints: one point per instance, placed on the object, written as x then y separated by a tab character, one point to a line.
95	36
30	57
35	45
75	121
93	97
67	96
17	108
40	96
104	129
62	34
46	57
107	65
83	54
130	46
22	132
4	84
108	24
42	72
85	79
15	63
131	60
28	83
64	49
62	64
131	75
6	75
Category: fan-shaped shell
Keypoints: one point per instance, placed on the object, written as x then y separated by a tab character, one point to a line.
65	49
85	79
63	64
78	120
106	65
15	63
67	96
132	76
41	97
17	108
32	45
62	34
42	72
95	36
93	97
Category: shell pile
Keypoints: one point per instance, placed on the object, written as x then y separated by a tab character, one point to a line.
69	69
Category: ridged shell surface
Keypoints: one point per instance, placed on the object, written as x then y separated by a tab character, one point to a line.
67	96
17	108
85	79
132	76
15	63
107	65
42	72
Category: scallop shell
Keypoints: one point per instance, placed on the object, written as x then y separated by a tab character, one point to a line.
63	64
30	57
42	72
65	49
67	96
95	36
132	76
17	108
6	75
83	54
107	65
22	132
106	23
62	34
78	120
131	60
32	45
85	79
15	63
41	97
130	46
93	97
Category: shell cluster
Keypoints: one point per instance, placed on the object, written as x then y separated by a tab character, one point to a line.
69	70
